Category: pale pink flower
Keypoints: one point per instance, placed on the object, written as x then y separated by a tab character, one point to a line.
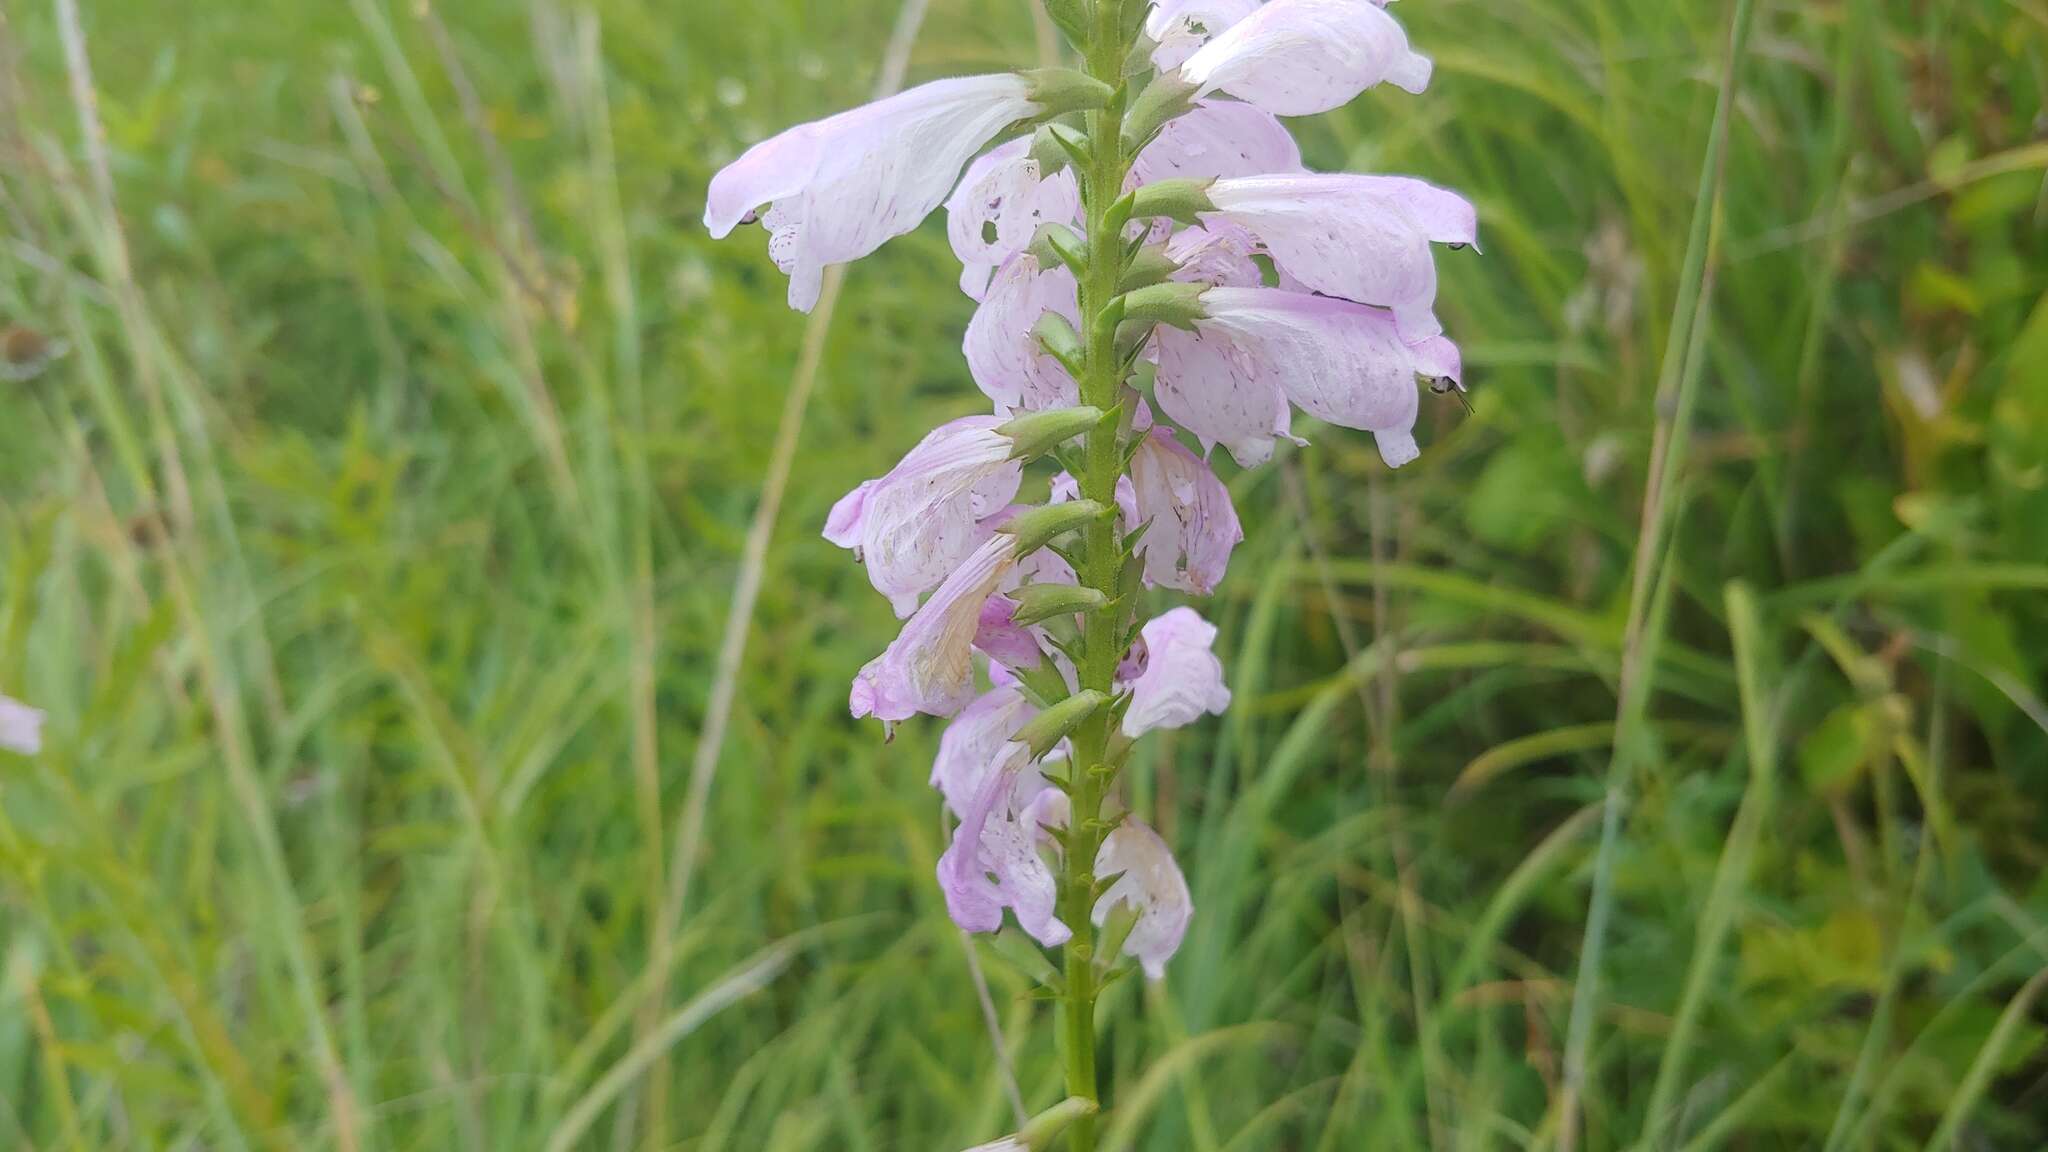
915	525
969	747
997	209
995	861
1001	638
838	188
1230	379
929	666
1364	238
1193	523
1180	27
21	727
1181	679
1217	138
1008	363
1301	57
1150	883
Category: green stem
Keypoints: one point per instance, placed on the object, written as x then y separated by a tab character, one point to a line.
1102	562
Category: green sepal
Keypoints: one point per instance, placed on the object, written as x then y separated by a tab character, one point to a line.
1120	213
1058	91
1173	302
1111	316
1139	60
1043	732
1044	1128
1115	973
1059	244
1180	200
1043	684
1036	433
1166	97
1074	559
1073	141
1109	939
1024	952
1056	335
1071	18
1036	527
1068	648
1037	603
1146	266
1047	152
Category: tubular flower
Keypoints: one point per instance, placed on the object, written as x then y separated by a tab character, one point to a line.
1181	678
994	861
838	188
21	727
928	668
998	207
1301	57
1364	238
1003	352
969	746
1255	349
1193	523
913	526
1149	883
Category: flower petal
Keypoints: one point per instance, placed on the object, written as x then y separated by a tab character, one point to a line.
998	207
915	525
21	727
1339	361
1208	386
842	186
928	667
994	860
1151	885
1180	27
1194	526
1217	138
1364	238
1301	57
1182	679
968	748
1003	354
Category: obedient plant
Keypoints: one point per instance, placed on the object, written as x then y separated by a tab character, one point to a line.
1154	270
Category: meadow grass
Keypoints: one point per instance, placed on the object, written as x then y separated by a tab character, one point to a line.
392	473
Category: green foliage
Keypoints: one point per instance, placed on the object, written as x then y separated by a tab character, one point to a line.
370	552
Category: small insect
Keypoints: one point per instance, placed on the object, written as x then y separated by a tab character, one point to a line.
1442	384
25	352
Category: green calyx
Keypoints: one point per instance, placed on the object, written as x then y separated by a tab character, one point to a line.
1058	91
1166	97
1036	528
1178	200
1037	603
1043	732
1036	433
1172	303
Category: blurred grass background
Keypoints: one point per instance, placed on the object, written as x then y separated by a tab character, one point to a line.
380	438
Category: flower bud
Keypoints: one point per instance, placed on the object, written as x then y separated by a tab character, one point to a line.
1043	732
1055	333
1037	433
